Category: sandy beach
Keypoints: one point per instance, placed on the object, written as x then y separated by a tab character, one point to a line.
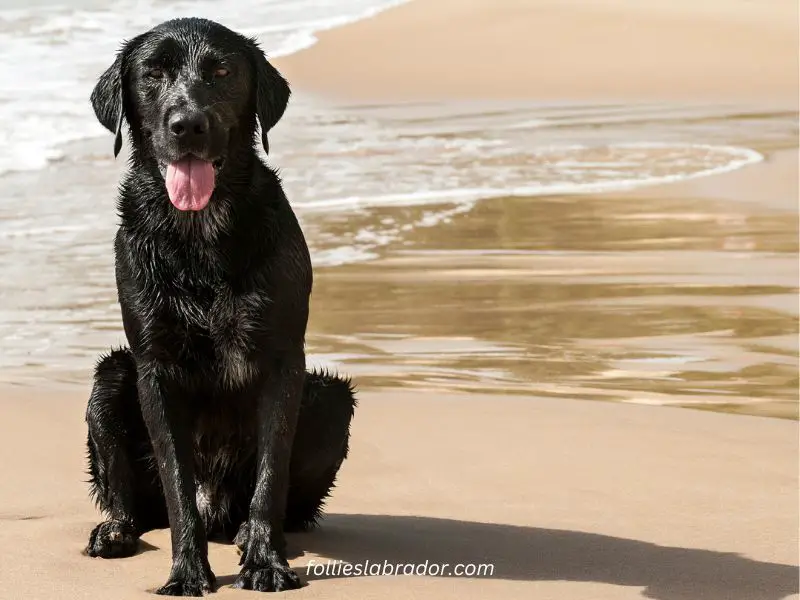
504	420
608	50
567	500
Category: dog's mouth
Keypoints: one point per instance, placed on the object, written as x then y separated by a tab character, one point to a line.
190	181
217	163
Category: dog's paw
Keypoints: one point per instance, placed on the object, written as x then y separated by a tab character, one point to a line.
276	577
194	581
263	568
190	589
112	539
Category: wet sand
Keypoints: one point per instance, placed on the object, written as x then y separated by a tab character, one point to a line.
673	295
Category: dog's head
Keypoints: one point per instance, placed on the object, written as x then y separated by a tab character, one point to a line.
191	91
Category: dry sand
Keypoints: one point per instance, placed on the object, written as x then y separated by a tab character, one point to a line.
568	499
604	50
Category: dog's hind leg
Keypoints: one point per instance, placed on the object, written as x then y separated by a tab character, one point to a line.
320	446
124	479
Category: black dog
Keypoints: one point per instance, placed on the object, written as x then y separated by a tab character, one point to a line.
209	423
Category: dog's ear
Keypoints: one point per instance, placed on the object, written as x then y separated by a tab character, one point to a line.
107	100
108	95
272	93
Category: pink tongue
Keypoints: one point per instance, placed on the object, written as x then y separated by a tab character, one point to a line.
190	182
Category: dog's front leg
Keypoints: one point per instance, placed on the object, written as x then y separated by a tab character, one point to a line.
191	574
263	560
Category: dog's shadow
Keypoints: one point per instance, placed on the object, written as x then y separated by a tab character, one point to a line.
532	554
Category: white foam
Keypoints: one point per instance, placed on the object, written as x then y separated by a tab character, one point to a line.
738	158
446	203
343	255
52	55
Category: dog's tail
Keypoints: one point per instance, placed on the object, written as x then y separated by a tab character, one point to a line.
321	444
331	400
324	387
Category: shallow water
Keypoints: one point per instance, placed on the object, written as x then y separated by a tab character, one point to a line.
456	248
635	299
686	300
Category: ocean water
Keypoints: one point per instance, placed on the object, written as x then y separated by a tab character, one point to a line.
52	52
361	178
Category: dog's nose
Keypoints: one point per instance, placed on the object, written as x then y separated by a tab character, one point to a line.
189	125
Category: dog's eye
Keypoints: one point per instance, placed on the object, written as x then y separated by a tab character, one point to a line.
221	72
155	73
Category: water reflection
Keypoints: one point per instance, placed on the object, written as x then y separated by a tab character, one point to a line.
635	299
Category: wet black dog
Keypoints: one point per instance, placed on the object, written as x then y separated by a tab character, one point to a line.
209	423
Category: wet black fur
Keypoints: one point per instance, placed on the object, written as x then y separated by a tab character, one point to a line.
208	422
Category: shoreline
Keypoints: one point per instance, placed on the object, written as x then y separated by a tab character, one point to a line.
502	250
592	45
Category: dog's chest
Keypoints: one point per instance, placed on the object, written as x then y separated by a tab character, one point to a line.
234	323
231	323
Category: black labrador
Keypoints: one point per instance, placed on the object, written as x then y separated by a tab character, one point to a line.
209	422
